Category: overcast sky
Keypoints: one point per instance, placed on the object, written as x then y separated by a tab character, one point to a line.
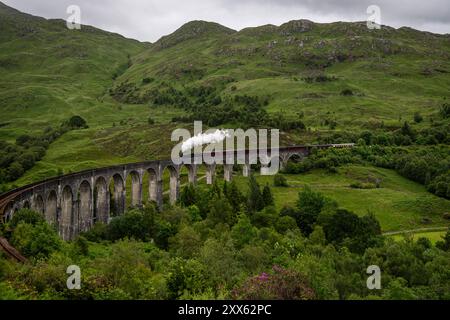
148	20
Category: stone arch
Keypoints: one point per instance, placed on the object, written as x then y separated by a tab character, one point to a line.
101	194
294	157
210	173
26	205
154	186
136	189
206	173
38	204
117	192
192	173
228	172
8	212
51	208
67	221
174	183
85	211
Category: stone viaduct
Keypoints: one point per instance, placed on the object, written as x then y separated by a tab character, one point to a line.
75	202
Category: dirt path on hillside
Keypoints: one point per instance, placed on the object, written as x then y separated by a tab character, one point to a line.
431	229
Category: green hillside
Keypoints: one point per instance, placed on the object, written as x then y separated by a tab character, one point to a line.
318	83
78	99
302	67
50	72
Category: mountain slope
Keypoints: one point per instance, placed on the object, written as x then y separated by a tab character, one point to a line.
193	30
50	72
303	67
338	79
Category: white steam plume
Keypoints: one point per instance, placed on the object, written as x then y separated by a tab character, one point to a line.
204	138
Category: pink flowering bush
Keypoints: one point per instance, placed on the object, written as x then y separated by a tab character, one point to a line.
280	284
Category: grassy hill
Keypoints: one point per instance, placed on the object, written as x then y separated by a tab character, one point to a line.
337	79
50	72
303	67
399	204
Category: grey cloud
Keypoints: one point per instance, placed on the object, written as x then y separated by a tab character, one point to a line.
148	20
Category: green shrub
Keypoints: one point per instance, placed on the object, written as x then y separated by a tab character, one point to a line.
26	216
147	80
81	246
136	224
445	110
38	240
418	117
97	233
280	181
77	122
346	92
243	232
309	205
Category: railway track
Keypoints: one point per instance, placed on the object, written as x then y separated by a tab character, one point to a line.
11	251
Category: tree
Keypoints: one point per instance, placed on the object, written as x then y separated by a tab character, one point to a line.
186	243
243	232
27	160
418	117
445	110
77	122
188	195
318	236
346	92
267	196
342	224
38	240
234	196
265	218
367	136
346	228
285	223
220	211
280	181
255	201
194	213
220	261
26	216
406	130
445	243
23	139
215	190
14	171
185	275
147	80
398	290
81	246
309	205
137	224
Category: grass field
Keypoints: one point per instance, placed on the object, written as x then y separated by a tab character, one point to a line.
399	204
432	236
